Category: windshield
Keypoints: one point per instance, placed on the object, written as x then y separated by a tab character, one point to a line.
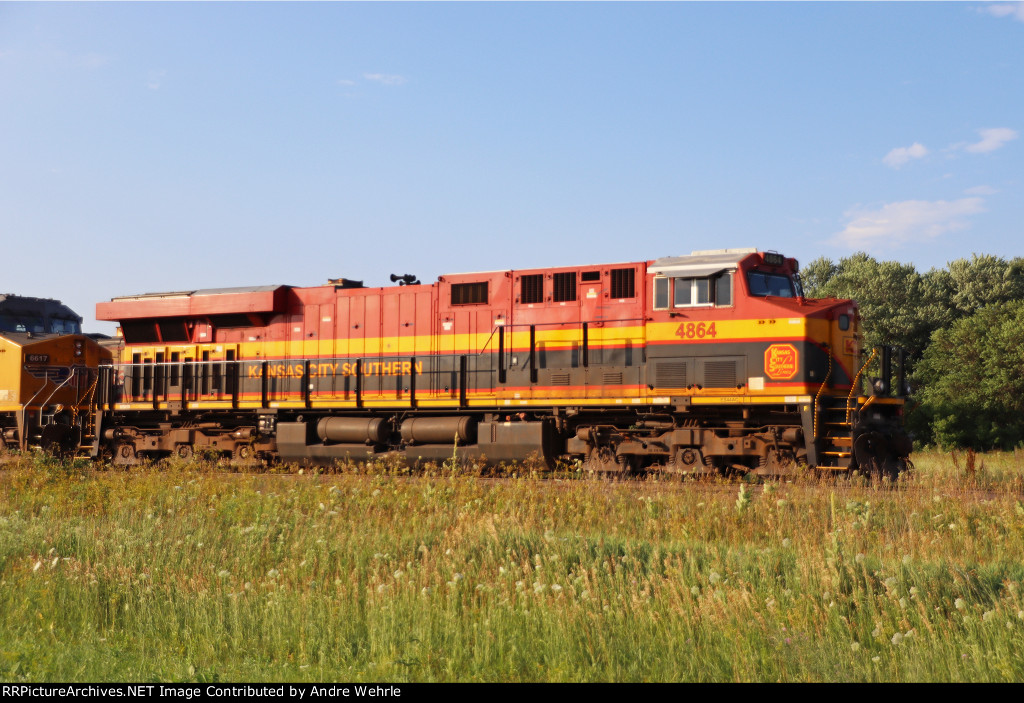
764	284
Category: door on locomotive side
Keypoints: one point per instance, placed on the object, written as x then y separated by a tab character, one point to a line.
213	378
613	330
470	307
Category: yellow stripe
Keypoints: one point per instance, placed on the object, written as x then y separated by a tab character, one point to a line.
756	400
768	329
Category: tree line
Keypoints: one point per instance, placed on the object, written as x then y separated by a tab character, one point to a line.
963	329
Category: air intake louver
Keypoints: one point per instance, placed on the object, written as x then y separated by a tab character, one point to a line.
719	374
670	374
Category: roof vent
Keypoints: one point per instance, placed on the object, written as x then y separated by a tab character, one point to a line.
344	283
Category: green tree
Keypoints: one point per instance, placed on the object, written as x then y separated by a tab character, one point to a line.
972	379
985	280
816	275
898	305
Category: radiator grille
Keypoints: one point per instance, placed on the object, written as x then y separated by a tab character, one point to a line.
612	379
560	379
670	374
719	374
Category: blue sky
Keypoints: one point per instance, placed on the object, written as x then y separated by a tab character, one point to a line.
151	146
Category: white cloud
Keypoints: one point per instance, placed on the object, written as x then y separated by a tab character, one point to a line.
346	82
991	139
981	190
908	221
1007	9
384	78
901	155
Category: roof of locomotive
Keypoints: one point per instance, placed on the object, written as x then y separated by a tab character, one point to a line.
716	259
700	263
36	307
204	291
719	259
25	339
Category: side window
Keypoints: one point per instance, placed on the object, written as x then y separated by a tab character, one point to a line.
692	292
702	291
683	292
661	293
723	290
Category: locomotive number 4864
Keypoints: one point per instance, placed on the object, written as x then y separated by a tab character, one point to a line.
696	330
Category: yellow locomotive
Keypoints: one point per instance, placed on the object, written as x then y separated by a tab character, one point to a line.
48	377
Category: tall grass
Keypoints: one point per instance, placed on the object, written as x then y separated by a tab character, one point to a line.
187	574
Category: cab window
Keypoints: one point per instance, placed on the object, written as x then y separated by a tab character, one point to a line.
690	292
763	284
693	292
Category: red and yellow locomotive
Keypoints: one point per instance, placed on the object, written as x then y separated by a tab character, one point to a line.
702	363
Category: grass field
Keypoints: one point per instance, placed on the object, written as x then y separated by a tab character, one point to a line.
190	574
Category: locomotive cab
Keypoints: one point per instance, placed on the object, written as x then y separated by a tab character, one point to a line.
48	390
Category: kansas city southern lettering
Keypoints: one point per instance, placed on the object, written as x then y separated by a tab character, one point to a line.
369	368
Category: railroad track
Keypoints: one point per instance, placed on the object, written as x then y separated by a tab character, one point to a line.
555	480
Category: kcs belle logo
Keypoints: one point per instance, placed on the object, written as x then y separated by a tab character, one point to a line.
781	362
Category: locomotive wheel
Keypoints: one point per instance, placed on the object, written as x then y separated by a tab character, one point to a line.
602	461
124	455
184	452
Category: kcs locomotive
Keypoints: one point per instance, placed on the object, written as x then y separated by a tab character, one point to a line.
712	362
